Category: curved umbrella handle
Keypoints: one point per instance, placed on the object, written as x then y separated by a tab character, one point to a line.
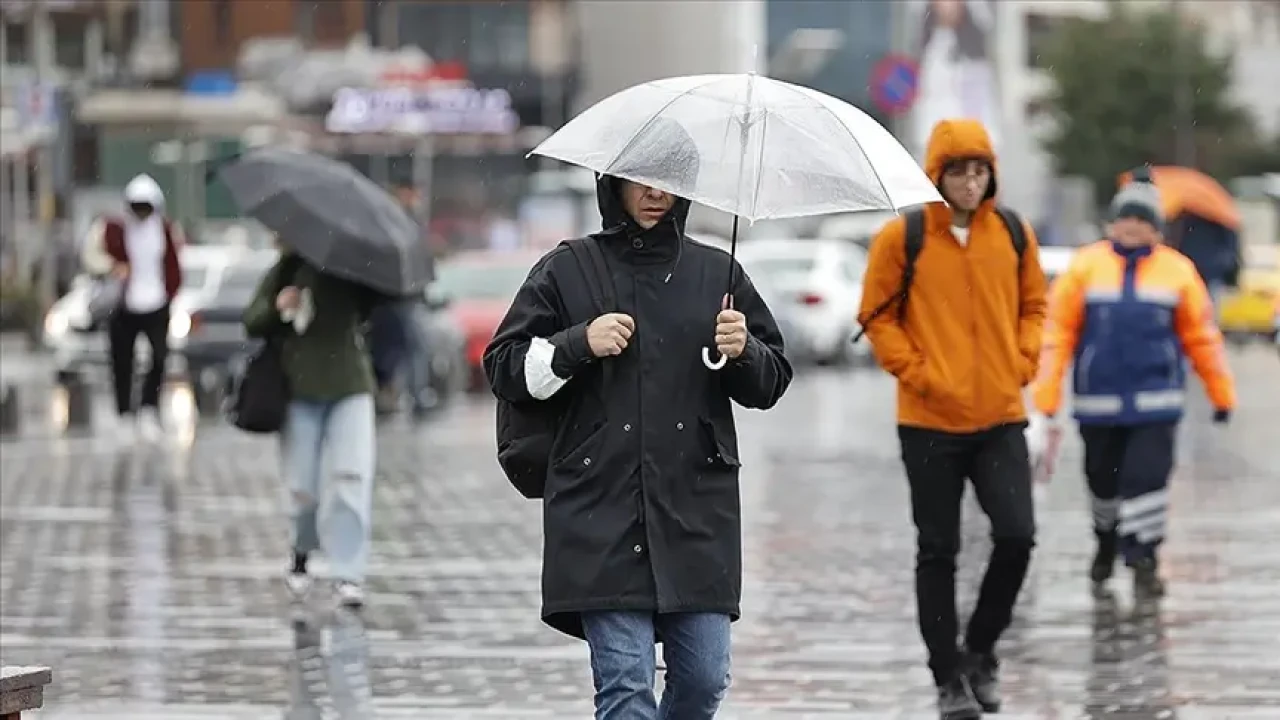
716	365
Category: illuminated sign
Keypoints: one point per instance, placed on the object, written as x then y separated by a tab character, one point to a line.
422	110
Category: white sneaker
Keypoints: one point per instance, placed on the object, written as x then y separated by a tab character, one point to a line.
298	584
350	595
149	428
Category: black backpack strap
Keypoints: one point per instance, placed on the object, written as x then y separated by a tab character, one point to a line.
1017	232
913	243
595	271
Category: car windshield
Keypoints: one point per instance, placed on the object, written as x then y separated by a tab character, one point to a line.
479	281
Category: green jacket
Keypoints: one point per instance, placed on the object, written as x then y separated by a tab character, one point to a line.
329	361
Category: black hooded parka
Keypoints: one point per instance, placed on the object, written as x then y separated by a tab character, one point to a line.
641	509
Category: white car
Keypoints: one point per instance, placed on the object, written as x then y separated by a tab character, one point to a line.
77	345
1055	260
820	281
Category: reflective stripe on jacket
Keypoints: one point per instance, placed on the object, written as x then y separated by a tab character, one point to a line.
1127	319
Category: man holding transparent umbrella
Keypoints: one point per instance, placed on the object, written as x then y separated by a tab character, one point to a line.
638	467
641	504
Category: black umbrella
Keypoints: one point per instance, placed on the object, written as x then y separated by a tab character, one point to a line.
334	217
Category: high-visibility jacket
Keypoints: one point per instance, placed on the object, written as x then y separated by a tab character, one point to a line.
1127	319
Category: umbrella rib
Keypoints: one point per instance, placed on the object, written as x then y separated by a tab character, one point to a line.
854	138
874	173
764	133
653	118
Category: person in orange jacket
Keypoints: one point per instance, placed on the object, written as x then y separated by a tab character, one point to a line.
953	302
1126	314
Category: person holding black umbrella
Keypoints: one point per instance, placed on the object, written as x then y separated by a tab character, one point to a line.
348	247
327	442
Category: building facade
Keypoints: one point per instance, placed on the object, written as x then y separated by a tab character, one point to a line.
212	33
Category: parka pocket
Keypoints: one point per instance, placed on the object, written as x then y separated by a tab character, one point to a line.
717	461
577	463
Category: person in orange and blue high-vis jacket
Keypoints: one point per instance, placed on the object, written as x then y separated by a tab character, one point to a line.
1127	313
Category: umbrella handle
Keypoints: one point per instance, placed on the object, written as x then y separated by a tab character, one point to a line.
713	365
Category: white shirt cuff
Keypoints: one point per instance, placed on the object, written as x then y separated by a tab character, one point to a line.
541	382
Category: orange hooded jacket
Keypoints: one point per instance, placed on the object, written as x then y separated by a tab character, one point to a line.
970	338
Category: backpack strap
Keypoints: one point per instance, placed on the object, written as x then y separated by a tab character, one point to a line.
1017	232
595	271
913	243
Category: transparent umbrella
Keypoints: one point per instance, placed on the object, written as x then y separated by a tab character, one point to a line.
751	146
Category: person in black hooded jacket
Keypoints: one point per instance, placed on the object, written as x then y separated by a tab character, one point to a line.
641	509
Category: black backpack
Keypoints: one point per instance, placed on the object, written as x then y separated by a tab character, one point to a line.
257	395
914	243
527	431
257	392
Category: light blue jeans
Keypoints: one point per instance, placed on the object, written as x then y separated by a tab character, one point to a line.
328	457
695	647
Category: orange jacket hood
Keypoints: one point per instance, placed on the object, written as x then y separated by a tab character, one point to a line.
957	139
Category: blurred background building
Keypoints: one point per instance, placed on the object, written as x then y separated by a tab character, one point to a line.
444	98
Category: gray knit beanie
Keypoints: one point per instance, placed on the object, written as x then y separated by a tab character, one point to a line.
1139	200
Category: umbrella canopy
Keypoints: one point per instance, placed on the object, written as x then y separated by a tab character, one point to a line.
1184	190
751	146
333	217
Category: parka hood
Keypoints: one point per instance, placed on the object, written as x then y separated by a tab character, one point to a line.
144	189
956	140
663	149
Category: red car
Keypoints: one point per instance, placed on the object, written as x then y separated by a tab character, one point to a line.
479	286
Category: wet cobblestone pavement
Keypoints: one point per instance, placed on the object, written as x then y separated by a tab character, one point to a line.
150	580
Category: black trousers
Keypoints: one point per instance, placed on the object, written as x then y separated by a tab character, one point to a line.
122	333
1128	468
996	461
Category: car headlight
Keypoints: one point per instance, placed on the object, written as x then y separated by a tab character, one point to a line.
179	325
56	324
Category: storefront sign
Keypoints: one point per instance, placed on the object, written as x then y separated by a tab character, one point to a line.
438	110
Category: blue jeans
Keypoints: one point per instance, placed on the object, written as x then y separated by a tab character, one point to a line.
695	648
328	451
417	358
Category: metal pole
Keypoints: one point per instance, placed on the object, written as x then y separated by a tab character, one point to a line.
22	210
42	45
1183	100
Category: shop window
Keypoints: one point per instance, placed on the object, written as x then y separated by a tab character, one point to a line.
483	35
68	39
15	44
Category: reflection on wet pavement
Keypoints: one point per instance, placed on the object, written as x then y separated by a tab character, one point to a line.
329	672
150	580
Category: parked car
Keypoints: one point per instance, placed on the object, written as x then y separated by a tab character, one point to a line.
1248	311
817	284
478	286
1055	259
856	228
217	334
783	311
79	345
